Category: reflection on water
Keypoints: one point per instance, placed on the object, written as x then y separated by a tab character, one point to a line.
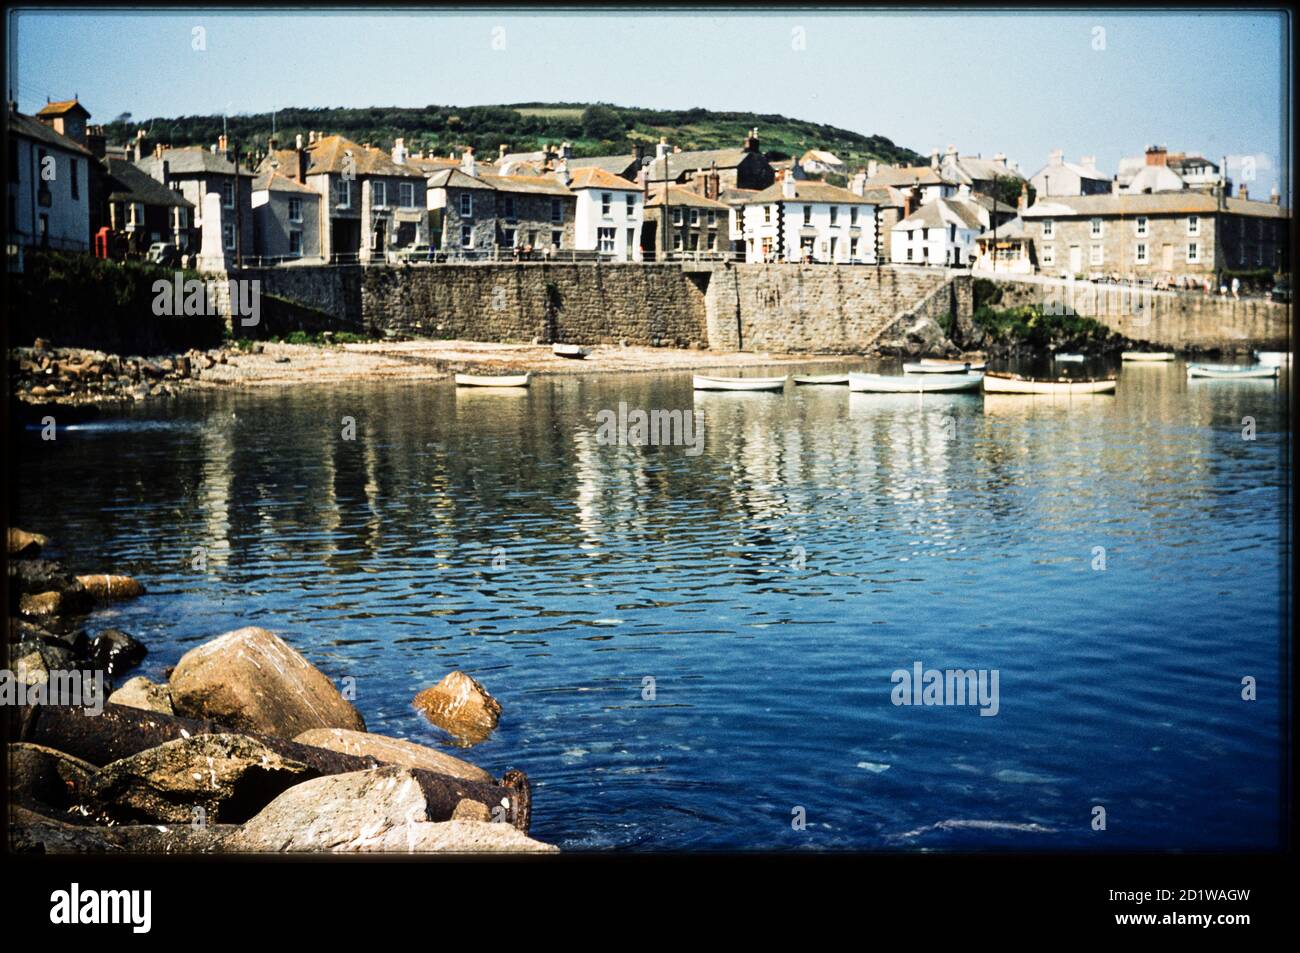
768	586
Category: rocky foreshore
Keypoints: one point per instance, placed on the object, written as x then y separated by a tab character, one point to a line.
246	747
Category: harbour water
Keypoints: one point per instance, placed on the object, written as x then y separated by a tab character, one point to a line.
696	650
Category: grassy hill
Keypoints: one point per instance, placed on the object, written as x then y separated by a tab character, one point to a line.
593	129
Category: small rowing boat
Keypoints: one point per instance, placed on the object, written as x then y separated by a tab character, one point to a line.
895	384
997	382
476	380
948	362
823	379
573	351
1232	372
703	382
1069	357
1274	358
1147	356
939	367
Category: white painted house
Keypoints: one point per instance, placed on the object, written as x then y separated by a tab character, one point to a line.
609	214
49	188
809	221
941	233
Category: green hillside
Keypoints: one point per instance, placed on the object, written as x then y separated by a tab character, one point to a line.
593	129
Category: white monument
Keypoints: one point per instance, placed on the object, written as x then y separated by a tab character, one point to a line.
212	252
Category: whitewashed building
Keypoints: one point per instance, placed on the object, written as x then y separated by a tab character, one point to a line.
609	214
941	233
808	221
49	187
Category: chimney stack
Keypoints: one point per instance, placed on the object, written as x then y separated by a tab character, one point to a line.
934	159
140	136
872	168
1023	201
751	141
502	149
858	184
467	161
1157	155
661	149
712	182
1055	157
301	154
1243	192
399	151
562	171
787	185
221	145
1275	196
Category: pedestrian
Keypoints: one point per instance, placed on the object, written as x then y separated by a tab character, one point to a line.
1236	287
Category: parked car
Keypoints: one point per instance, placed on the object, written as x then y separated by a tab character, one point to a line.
163	253
416	253
1281	292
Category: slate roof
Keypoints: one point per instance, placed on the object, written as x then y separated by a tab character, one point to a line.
1186	202
191	160
327	155
275	181
679	163
127	183
808	190
941	212
615	165
596	178
61	108
30	128
680	195
904	177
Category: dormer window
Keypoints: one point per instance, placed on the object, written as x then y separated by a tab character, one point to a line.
1193	225
1142	225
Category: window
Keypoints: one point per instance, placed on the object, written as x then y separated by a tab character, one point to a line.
466	206
1193	253
767	215
1096	228
835	214
509	237
135	214
557	212
1049	228
631	206
606	204
606	238
1142	253
228	236
677	241
43	196
180	219
713	242
695	216
555	238
508	209
466	235
295	210
853	215
227	194
1095	254
378	194
1049	255
1193	225
342	193
677	215
712	218
295	243
695	241
407	190
1142	225
854	245
44	229
76	188
807	214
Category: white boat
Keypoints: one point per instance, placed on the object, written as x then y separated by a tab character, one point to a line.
1069	357
703	382
1274	358
476	380
1002	383
569	350
939	367
896	384
943	361
1232	372
1147	356
823	379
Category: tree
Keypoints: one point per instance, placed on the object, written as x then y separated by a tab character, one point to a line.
602	122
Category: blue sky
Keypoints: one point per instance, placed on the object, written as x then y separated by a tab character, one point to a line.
1021	84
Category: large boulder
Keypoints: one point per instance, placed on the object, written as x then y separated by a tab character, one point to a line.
25	545
460	706
391	751
252	680
139	692
383	809
111	587
31	832
42	776
115	651
231	777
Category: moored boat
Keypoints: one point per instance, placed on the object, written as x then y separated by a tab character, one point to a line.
895	384
1069	357
1232	372
945	361
996	382
823	379
479	380
1274	358
1147	356
573	351
704	382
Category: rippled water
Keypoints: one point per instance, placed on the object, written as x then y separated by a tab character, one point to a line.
769	586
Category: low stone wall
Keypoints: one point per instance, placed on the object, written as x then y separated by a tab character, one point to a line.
573	303
1169	319
827	309
334	290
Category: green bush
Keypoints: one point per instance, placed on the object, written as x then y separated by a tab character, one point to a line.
1029	326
